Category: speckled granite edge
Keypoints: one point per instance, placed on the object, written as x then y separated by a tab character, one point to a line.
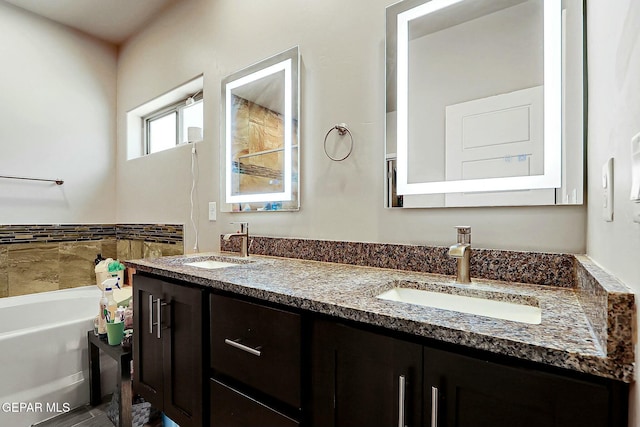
510	266
609	306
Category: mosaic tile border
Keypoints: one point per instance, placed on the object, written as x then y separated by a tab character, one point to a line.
159	233
524	267
53	233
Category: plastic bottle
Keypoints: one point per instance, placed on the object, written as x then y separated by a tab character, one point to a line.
112	305
102	321
104	306
119	315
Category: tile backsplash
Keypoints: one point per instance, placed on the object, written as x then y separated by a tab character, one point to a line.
40	258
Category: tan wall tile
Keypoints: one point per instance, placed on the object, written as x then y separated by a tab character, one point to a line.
77	263
170	249
137	249
151	250
33	267
4	271
109	248
155	250
123	250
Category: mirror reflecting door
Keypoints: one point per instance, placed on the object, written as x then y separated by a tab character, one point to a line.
484	103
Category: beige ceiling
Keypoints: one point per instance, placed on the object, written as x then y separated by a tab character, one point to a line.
110	20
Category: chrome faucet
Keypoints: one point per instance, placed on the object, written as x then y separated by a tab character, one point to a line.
461	251
244	234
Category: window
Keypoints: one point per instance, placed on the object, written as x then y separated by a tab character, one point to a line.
169	126
164	121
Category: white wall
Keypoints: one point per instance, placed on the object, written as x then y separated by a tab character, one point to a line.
614	117
342	49
57	120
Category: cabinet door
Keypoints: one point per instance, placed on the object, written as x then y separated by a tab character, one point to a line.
147	347
364	379
182	334
230	407
474	393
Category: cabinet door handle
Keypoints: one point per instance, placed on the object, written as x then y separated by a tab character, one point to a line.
159	315
151	314
434	406
237	344
402	390
158	323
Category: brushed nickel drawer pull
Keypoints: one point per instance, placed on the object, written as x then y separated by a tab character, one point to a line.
236	343
159	316
158	323
434	406
402	390
151	314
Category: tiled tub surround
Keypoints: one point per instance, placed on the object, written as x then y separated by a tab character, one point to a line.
565	338
39	258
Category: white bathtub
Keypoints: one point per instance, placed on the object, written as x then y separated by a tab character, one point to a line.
44	367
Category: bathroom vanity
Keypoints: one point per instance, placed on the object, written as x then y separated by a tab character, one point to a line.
272	341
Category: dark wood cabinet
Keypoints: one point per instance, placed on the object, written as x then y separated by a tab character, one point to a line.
258	346
469	392
168	348
356	381
255	364
251	364
361	378
232	408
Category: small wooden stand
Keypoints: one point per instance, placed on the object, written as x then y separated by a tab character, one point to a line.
124	379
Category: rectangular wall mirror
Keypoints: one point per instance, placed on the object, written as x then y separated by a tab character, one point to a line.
484	103
260	153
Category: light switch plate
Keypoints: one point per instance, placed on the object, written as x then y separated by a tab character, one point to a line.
212	211
607	190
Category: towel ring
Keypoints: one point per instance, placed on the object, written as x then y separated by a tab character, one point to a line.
342	130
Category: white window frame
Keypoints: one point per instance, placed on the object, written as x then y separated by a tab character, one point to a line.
135	124
175	108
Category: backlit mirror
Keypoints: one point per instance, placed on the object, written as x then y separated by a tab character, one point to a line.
260	153
484	103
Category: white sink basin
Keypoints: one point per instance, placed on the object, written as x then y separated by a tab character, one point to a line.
465	304
211	264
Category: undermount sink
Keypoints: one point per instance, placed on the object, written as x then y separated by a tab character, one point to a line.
214	262
211	264
496	309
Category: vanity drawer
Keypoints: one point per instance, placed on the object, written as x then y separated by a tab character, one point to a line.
230	407
258	346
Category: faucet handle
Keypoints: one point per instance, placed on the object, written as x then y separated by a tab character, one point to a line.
464	234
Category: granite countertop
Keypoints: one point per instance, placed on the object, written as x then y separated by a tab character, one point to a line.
565	337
